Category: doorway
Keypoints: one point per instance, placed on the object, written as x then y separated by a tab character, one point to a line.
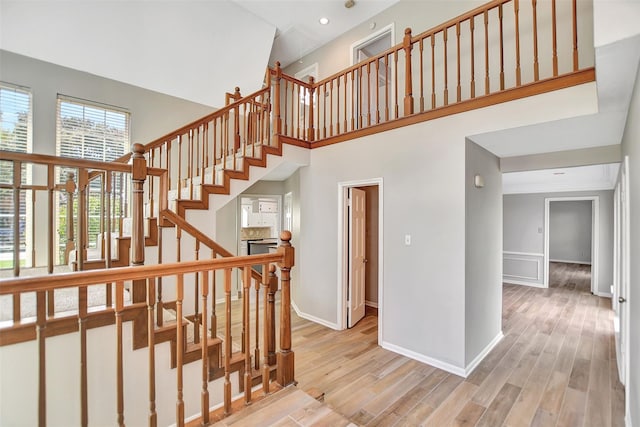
360	255
372	86
574	223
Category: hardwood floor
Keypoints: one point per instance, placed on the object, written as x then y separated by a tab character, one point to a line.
555	366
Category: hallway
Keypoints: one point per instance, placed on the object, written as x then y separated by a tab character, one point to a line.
555	366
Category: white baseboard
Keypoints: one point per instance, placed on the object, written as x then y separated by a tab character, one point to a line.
475	362
314	318
627	420
371	304
456	370
603	294
569	262
519	282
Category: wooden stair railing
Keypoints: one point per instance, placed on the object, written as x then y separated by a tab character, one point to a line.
122	312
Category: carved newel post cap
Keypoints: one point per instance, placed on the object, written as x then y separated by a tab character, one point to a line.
272	268
285	236
237	90
137	148
407	31
277	64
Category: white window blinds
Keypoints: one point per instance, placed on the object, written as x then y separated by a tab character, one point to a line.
91	131
15	118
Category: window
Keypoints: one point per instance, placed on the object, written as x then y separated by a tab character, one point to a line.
15	135
91	131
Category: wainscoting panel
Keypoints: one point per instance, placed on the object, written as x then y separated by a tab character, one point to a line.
523	268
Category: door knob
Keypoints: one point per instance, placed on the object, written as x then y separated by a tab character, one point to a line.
621	300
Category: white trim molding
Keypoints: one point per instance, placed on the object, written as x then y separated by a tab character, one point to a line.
453	369
566	261
475	362
517	275
314	319
371	304
520	282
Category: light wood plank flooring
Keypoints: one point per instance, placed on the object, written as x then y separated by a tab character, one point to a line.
555	366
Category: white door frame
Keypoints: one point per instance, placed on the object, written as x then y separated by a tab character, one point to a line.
595	236
625	272
343	240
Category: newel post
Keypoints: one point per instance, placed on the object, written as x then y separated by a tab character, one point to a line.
138	177
311	131
277	124
408	81
285	356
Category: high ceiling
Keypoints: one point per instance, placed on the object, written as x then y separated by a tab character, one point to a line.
297	21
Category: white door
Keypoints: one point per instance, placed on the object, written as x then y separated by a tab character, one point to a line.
621	322
357	260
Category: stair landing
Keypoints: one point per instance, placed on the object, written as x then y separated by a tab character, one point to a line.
288	407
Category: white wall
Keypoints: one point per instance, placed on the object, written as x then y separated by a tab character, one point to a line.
483	249
570	224
631	148
423	172
524	229
189	49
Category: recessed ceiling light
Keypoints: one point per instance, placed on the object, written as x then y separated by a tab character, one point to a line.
323	21
558	173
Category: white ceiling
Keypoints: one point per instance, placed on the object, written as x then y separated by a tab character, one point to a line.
298	30
582	178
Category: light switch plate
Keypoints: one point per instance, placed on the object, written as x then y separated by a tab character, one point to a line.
407	239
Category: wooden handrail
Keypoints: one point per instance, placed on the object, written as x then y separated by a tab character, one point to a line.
45	159
86	278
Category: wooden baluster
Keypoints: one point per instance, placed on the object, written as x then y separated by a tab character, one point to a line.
150	196
516	11
151	344
273	288
536	68
108	185
17	184
501	47
473	63
168	156
446	72
41	325
33	231
204	393
51	220
227	341
256	351
138	176
360	96
311	130
285	109
159	304
337	105
421	75
83	216
574	15
486	52
408	78
214	317
291	116
190	163
433	70
246	334
70	189
554	37
205	149
331	108
300	113
353	100
179	351
286	355
268	325
324	110
119	353
344	100
386	87
179	180
458	87
236	130
395	85
82	327
196	305
369	93
377	118
214	143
